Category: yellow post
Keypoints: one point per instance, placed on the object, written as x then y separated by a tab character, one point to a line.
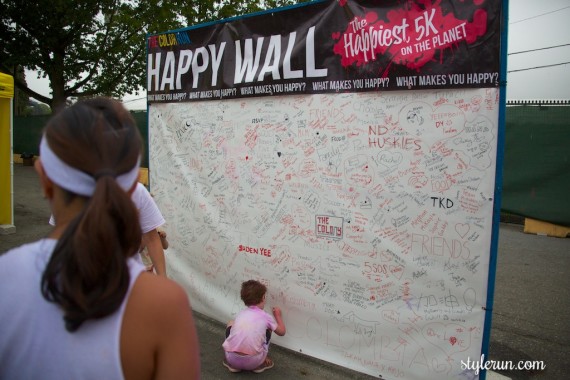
6	170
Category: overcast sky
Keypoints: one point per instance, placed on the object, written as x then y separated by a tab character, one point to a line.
537	25
537	29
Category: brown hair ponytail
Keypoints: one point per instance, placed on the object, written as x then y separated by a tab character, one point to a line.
87	274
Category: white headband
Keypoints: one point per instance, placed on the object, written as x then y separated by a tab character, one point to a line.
75	180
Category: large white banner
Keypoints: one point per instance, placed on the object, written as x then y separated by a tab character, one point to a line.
367	215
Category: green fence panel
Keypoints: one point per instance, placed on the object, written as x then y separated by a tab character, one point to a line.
536	171
142	123
28	132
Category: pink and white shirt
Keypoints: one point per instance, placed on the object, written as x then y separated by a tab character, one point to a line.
248	333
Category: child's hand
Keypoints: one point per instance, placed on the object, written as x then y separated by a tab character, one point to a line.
162	234
276	312
280	329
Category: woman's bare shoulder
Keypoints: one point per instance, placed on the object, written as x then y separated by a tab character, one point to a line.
159	290
158	325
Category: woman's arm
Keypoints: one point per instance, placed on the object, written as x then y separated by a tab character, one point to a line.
151	240
163	240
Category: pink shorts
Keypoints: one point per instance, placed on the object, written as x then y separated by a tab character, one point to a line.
245	362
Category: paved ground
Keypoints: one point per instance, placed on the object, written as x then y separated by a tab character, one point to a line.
530	316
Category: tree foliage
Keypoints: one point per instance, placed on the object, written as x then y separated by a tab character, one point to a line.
97	47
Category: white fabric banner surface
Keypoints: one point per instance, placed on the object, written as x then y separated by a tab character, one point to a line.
367	215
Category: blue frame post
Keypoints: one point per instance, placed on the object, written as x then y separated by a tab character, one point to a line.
498	186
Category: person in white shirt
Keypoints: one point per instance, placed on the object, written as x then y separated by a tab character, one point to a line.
150	219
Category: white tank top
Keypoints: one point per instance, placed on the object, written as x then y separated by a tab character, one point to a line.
34	343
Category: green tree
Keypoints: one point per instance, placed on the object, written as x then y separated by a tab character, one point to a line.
97	47
84	47
198	12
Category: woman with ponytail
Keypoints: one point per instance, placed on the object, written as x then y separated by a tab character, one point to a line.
77	305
